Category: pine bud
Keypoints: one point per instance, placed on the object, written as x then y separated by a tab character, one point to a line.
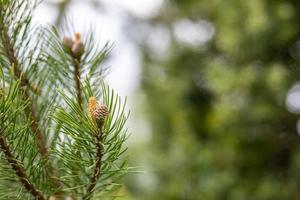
97	110
78	49
77	37
68	42
78	46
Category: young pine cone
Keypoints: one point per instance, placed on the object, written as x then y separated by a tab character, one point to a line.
68	42
77	49
76	46
97	110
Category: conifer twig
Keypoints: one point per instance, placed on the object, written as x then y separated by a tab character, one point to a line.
76	49
98	112
9	50
10	53
30	109
19	170
97	170
77	76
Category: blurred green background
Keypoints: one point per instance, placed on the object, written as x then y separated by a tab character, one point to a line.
217	98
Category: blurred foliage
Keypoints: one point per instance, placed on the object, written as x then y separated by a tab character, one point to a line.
219	125
220	129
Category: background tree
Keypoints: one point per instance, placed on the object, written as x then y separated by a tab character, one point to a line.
220	128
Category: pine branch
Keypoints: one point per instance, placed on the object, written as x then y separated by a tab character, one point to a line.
92	140
30	109
9	51
40	139
76	49
8	48
97	169
77	76
19	170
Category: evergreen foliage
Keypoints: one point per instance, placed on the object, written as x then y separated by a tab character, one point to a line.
50	147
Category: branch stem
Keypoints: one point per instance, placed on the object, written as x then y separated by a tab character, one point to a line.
77	76
19	170
97	170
